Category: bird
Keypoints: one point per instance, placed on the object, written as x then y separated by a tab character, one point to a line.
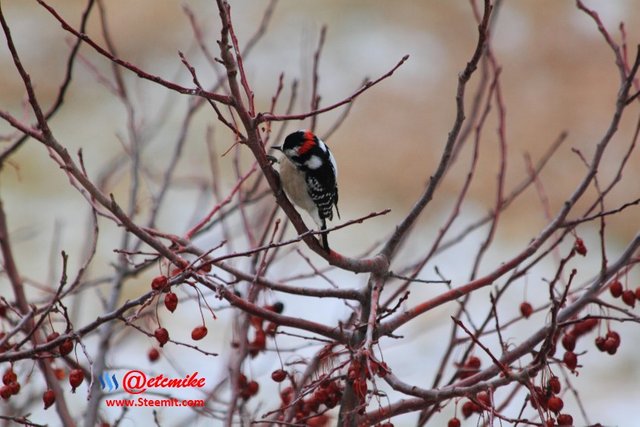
309	176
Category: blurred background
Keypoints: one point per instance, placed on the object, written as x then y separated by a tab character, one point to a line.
558	75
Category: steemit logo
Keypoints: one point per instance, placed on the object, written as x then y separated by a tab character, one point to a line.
109	381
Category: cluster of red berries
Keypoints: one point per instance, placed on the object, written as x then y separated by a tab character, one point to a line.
482	402
609	343
327	394
570	337
160	283
261	331
469	408
628	296
247	388
11	386
546	397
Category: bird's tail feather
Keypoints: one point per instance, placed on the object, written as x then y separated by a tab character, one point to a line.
325	241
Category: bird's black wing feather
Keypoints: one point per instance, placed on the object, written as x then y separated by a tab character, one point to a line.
323	191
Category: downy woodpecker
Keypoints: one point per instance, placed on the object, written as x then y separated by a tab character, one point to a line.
309	175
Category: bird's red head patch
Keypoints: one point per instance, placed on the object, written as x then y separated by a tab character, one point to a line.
308	142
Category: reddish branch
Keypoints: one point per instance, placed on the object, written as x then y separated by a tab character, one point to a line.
548	231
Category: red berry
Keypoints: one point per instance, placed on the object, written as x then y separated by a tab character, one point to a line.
569	342
5	392
153	354
320	395
9	377
171	301
253	387
59	373
580	247
473	362
286	395
52	336
610	346
159	283
638	293
629	298
453	422
76	376
310	406
49	398
614	335
583	327
162	335
615	288
526	309
538	398
468	408
565	420
554	385
483	397
199	332
570	359
66	347
611	342
332	400
600	343
14	387
555	404
471	366
279	375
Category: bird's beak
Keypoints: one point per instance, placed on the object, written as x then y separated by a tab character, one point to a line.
276	147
